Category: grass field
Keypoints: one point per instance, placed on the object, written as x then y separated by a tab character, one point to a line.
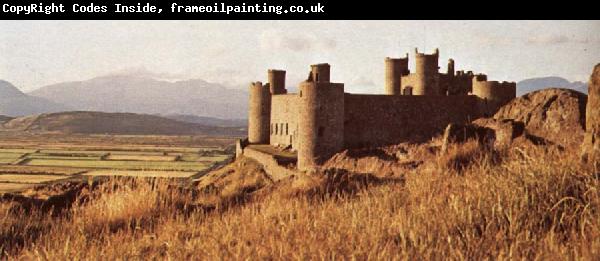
62	157
141	157
535	204
17	150
23	169
120	164
10	155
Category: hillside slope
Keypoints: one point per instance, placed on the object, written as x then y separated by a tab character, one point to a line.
112	123
209	121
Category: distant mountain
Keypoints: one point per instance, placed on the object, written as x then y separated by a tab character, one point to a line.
534	84
88	122
15	103
143	94
209	121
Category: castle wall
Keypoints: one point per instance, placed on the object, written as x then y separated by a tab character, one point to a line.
409	83
269	163
372	120
284	120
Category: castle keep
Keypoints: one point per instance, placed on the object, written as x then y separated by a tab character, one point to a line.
321	119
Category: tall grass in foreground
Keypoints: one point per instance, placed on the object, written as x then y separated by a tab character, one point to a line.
532	204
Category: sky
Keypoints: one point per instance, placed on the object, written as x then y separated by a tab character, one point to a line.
38	53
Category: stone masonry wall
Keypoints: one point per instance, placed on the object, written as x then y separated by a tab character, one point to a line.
270	165
284	120
372	120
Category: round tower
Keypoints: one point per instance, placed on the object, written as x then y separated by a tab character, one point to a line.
259	113
426	73
395	68
492	94
320	72
277	81
321	123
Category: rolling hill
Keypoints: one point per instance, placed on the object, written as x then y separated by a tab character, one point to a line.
209	121
88	122
143	94
13	102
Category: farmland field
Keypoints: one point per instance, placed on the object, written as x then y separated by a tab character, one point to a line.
29	160
121	164
142	157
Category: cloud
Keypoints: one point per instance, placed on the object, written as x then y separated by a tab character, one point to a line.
299	42
547	39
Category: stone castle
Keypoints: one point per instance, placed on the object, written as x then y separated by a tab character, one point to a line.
321	119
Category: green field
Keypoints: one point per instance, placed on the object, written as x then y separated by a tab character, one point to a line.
47	156
20	151
142	157
9	157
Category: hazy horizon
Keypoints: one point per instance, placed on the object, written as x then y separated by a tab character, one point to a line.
38	53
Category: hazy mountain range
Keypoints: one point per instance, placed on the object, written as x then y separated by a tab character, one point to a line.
13	102
534	84
141	94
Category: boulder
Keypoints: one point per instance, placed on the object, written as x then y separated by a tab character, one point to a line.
490	133
504	131
557	115
591	142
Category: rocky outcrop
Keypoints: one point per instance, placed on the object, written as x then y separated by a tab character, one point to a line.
490	133
591	143
557	115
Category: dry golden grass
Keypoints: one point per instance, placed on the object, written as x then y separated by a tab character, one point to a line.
30	179
533	204
141	173
10	187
